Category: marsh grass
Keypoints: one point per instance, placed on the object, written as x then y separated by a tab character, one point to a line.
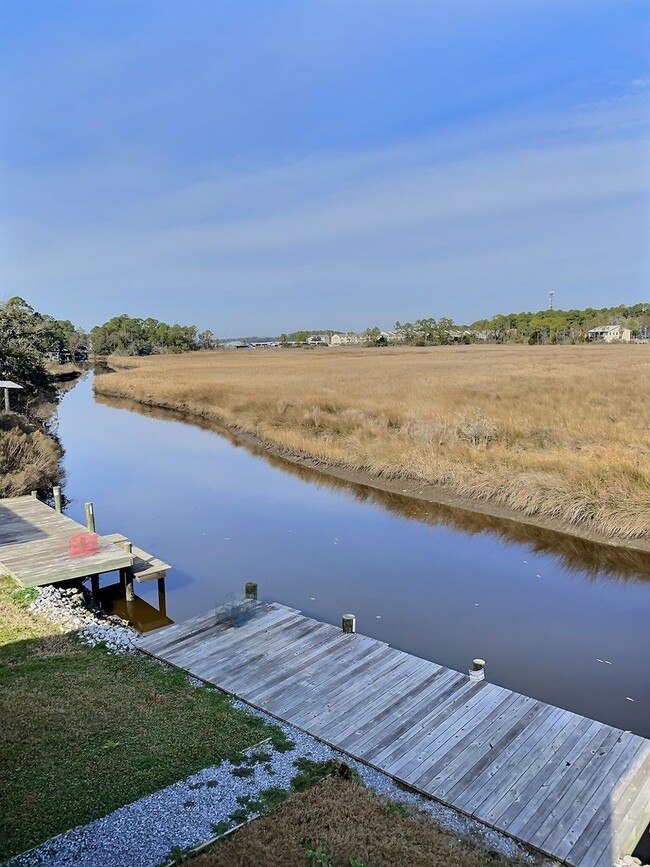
559	432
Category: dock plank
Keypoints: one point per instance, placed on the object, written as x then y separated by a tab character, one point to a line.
575	789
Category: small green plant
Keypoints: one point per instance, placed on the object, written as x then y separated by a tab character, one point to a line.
272	797
176	855
318	857
356	862
239	816
189	803
25	597
394	807
220	828
280	742
196	785
212	784
258	757
310	773
243	771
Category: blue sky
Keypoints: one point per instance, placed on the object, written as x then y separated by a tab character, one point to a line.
265	166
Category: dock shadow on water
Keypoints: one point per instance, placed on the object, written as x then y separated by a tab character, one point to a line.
556	617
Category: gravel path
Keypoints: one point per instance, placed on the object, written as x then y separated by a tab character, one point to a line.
193	811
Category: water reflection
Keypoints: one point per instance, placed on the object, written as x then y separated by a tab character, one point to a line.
140	614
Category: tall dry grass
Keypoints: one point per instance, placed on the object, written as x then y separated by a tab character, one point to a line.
29	458
558	432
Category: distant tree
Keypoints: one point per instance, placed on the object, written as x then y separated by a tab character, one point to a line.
26	341
207	340
124	335
372	335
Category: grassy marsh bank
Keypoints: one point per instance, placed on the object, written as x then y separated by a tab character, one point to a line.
555	435
85	731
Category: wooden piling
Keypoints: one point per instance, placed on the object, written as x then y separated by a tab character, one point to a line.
128	575
477	671
94	586
349	623
56	491
35	494
6	400
251	590
90	517
162	603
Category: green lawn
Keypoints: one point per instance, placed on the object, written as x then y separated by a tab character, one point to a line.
84	732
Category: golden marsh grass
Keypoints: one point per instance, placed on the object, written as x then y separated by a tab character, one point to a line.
558	432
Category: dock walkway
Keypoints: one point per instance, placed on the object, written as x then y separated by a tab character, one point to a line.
575	789
35	547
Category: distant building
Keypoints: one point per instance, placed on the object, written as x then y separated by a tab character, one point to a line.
348	339
318	340
236	344
610	334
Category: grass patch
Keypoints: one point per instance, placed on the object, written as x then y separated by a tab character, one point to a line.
85	732
349	825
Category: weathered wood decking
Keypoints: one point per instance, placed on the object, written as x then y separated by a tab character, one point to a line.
35	547
575	789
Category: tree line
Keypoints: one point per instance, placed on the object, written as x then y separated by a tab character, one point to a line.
543	326
570	325
125	335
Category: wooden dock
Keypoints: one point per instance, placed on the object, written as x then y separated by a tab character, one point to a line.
572	788
35	547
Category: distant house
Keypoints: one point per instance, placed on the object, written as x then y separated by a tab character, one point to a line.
236	344
318	340
610	334
347	339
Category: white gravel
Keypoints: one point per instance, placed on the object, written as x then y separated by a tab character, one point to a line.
186	814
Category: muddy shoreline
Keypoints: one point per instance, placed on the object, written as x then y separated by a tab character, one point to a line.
412	489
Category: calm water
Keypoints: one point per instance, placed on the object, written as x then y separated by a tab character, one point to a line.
540	609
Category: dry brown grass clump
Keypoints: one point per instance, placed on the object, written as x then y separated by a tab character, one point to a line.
558	432
29	459
348	821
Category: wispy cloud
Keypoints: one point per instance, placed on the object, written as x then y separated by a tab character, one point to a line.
432	225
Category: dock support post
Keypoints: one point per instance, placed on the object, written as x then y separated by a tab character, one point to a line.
6	400
90	517
56	491
251	590
349	624
94	586
162	602
128	575
477	671
35	494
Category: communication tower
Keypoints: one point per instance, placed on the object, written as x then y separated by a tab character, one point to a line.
551	299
